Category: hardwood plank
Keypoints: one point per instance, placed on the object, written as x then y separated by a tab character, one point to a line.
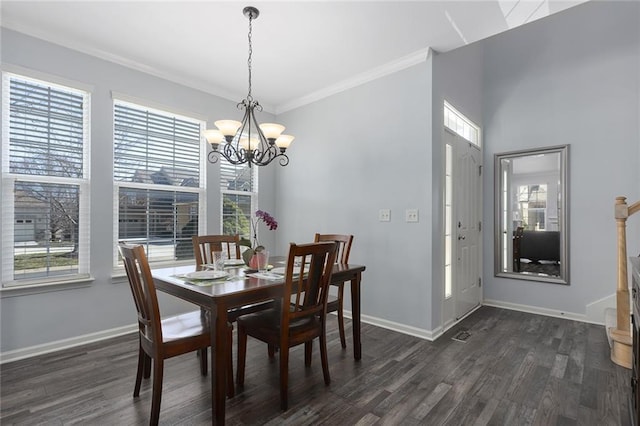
516	369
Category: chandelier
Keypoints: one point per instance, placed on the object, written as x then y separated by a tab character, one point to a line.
247	141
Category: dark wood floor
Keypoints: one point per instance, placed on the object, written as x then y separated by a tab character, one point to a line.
515	369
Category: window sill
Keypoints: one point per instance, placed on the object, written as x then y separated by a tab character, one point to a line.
45	287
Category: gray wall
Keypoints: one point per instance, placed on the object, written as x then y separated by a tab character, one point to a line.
572	78
356	152
107	303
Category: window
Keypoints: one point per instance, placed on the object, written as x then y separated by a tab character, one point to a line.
158	180
238	189
448	220
459	124
532	206
45	181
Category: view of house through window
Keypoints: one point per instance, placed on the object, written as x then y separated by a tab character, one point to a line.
45	180
158	177
532	207
238	189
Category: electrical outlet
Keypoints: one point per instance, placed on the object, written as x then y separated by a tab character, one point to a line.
384	215
411	215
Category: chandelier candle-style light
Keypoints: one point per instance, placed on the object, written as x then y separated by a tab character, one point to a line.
248	141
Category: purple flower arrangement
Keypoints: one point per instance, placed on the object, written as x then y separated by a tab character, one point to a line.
268	220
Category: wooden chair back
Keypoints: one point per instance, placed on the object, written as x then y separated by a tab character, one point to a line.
144	294
343	242
307	279
205	245
336	304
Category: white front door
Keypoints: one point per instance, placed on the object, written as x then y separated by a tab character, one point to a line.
465	229
467	183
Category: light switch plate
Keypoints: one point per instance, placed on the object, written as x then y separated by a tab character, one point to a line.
384	215
411	215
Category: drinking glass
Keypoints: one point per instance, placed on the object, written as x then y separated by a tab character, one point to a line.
263	260
218	261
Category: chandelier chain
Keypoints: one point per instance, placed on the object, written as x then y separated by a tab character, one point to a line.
249	97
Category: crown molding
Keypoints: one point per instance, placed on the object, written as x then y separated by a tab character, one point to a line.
358	80
70	43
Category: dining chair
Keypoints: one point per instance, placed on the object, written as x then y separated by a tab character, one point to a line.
336	304
160	338
307	278
205	245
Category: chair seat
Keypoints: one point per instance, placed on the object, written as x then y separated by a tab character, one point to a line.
265	325
183	326
234	313
333	304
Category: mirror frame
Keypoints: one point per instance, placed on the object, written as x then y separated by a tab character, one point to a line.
563	220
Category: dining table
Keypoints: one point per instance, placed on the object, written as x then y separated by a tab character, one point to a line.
238	288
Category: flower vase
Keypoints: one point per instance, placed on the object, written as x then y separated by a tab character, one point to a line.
247	255
256	257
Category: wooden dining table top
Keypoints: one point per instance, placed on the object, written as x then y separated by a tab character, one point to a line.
238	282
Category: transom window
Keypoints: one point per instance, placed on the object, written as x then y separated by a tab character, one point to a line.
158	179
459	124
45	179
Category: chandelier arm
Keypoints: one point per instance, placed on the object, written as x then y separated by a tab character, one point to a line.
284	160
228	153
262	146
213	156
260	157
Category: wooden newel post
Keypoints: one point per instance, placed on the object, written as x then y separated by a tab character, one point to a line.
621	335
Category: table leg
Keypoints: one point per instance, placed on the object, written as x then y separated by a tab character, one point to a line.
218	365
355	314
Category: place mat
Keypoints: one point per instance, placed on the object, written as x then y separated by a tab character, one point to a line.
188	278
266	276
282	270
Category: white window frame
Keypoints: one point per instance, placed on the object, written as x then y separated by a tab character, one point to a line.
201	190
9	180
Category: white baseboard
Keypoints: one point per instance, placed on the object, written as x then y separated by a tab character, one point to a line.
596	311
543	311
430	335
58	345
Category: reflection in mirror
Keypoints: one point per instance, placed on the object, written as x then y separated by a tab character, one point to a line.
531	229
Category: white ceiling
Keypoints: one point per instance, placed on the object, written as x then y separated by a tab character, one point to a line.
302	50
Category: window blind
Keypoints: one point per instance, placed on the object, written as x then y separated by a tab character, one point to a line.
150	147
158	179
47	176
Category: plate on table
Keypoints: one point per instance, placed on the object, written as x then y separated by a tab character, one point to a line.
206	275
233	262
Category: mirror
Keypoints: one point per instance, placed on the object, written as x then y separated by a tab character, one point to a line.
531	227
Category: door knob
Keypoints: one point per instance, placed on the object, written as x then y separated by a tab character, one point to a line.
461	237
